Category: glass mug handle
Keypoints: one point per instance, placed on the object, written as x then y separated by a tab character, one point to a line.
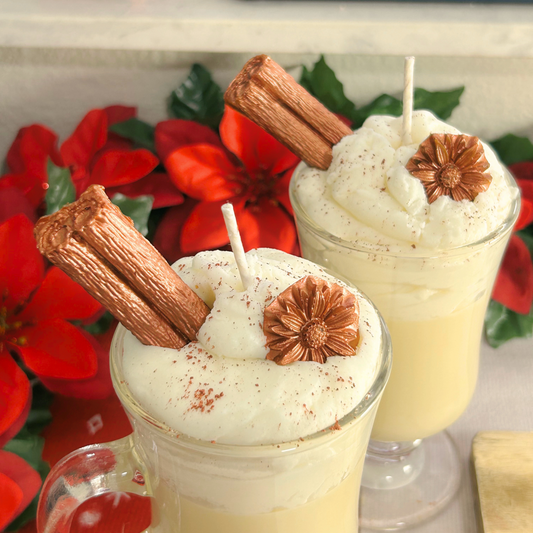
102	484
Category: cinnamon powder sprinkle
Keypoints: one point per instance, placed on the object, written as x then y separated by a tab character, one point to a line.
451	165
310	321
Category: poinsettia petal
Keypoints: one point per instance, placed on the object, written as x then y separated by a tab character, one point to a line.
514	283
56	349
168	232
14	393
13	201
21	264
119	113
88	137
21	473
204	229
523	170
170	135
10	498
18	423
258	150
204	172
267	225
157	184
118	167
28	159
94	388
59	297
526	211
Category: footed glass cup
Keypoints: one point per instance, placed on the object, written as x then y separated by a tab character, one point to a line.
434	306
186	485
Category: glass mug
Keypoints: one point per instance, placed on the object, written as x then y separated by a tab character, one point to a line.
310	485
434	306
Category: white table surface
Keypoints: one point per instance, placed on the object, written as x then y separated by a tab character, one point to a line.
503	401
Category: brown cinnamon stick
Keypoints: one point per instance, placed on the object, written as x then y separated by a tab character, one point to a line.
268	96
97	246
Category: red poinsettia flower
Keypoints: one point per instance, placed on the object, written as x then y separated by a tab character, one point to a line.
246	167
35	307
514	284
92	154
19	484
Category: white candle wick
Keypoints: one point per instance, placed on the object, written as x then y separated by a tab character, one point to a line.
407	119
236	244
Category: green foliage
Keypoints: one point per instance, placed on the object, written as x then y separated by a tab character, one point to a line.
440	103
61	190
101	325
138	209
141	133
513	149
322	83
199	98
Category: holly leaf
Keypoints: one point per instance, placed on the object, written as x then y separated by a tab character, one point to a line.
382	105
61	190
513	149
502	324
199	98
440	103
138	209
138	131
322	83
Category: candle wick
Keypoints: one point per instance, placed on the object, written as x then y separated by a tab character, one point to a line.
236	244
407	118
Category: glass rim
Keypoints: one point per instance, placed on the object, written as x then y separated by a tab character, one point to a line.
305	220
295	446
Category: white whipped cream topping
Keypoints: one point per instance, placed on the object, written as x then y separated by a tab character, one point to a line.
368	195
221	388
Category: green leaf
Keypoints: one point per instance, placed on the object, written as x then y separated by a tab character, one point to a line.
502	324
138	209
382	105
61	190
513	149
39	416
440	103
199	98
322	83
138	131
101	325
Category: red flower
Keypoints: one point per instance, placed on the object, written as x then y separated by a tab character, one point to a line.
19	484
93	155
34	309
514	284
250	169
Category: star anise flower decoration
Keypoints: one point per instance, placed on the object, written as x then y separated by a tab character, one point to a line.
452	165
311	321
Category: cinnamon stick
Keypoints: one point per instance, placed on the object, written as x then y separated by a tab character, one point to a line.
268	96
97	246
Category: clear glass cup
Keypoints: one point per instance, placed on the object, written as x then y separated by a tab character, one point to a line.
310	485
434	306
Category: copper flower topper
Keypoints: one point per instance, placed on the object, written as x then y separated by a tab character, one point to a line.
311	321
453	165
